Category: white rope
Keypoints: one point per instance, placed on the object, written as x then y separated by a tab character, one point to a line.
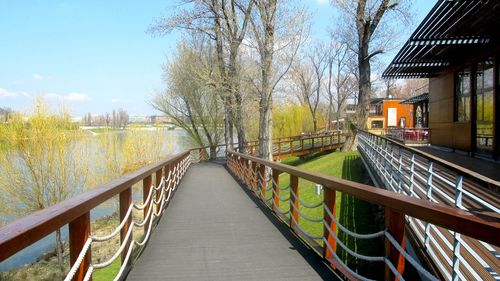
310	206
296	224
409	258
353	234
117	253
79	260
296	208
173	178
283	199
117	230
351	252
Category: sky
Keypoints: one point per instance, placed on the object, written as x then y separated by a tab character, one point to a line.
95	56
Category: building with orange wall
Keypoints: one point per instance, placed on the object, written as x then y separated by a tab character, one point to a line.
389	113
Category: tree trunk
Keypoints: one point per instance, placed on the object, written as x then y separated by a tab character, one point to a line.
235	91
213	152
59	252
364	95
228	124
265	129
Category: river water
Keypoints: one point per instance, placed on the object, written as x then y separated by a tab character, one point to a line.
173	142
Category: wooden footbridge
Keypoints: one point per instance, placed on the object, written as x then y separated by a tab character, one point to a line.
232	219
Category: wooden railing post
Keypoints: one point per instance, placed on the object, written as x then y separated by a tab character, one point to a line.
291	146
248	180
244	173
302	143
395	224
255	176
331	140
241	167
158	176
294	186
146	187
312	142
322	142
279	149
79	231
125	202
276	188
262	182
329	199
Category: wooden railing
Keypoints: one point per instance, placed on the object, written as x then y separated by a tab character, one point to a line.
262	176
300	145
75	212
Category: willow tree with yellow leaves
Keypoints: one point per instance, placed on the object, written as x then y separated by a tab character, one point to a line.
43	162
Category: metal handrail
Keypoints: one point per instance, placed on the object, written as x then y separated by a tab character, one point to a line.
449	165
405	170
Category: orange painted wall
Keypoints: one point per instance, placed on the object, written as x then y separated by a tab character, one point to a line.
403	110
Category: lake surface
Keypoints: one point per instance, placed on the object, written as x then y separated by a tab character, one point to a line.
172	142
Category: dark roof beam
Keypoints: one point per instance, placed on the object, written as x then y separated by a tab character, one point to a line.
450	41
419	64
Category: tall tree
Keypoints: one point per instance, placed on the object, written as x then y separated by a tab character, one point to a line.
367	16
278	32
189	100
226	22
42	162
341	82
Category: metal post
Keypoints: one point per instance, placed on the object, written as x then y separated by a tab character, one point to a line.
456	235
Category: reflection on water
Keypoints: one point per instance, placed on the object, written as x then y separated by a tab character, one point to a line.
173	142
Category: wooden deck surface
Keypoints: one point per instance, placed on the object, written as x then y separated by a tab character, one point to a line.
214	230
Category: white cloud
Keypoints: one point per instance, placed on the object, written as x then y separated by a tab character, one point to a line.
72	97
38	77
4	93
77	97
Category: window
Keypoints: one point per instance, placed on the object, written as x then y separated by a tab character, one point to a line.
485	108
462	96
377	124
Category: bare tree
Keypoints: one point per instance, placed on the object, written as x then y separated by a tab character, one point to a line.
308	77
341	81
189	100
5	114
225	22
373	37
278	31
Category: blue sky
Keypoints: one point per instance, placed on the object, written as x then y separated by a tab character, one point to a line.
95	56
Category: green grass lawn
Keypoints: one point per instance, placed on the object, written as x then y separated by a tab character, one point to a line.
358	216
107	273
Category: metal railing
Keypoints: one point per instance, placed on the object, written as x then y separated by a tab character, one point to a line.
262	176
420	175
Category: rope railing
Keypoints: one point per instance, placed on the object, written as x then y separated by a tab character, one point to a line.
253	172
159	183
150	201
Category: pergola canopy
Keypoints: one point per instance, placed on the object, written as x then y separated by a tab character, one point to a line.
452	31
416	99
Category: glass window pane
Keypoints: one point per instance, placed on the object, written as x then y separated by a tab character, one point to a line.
462	96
